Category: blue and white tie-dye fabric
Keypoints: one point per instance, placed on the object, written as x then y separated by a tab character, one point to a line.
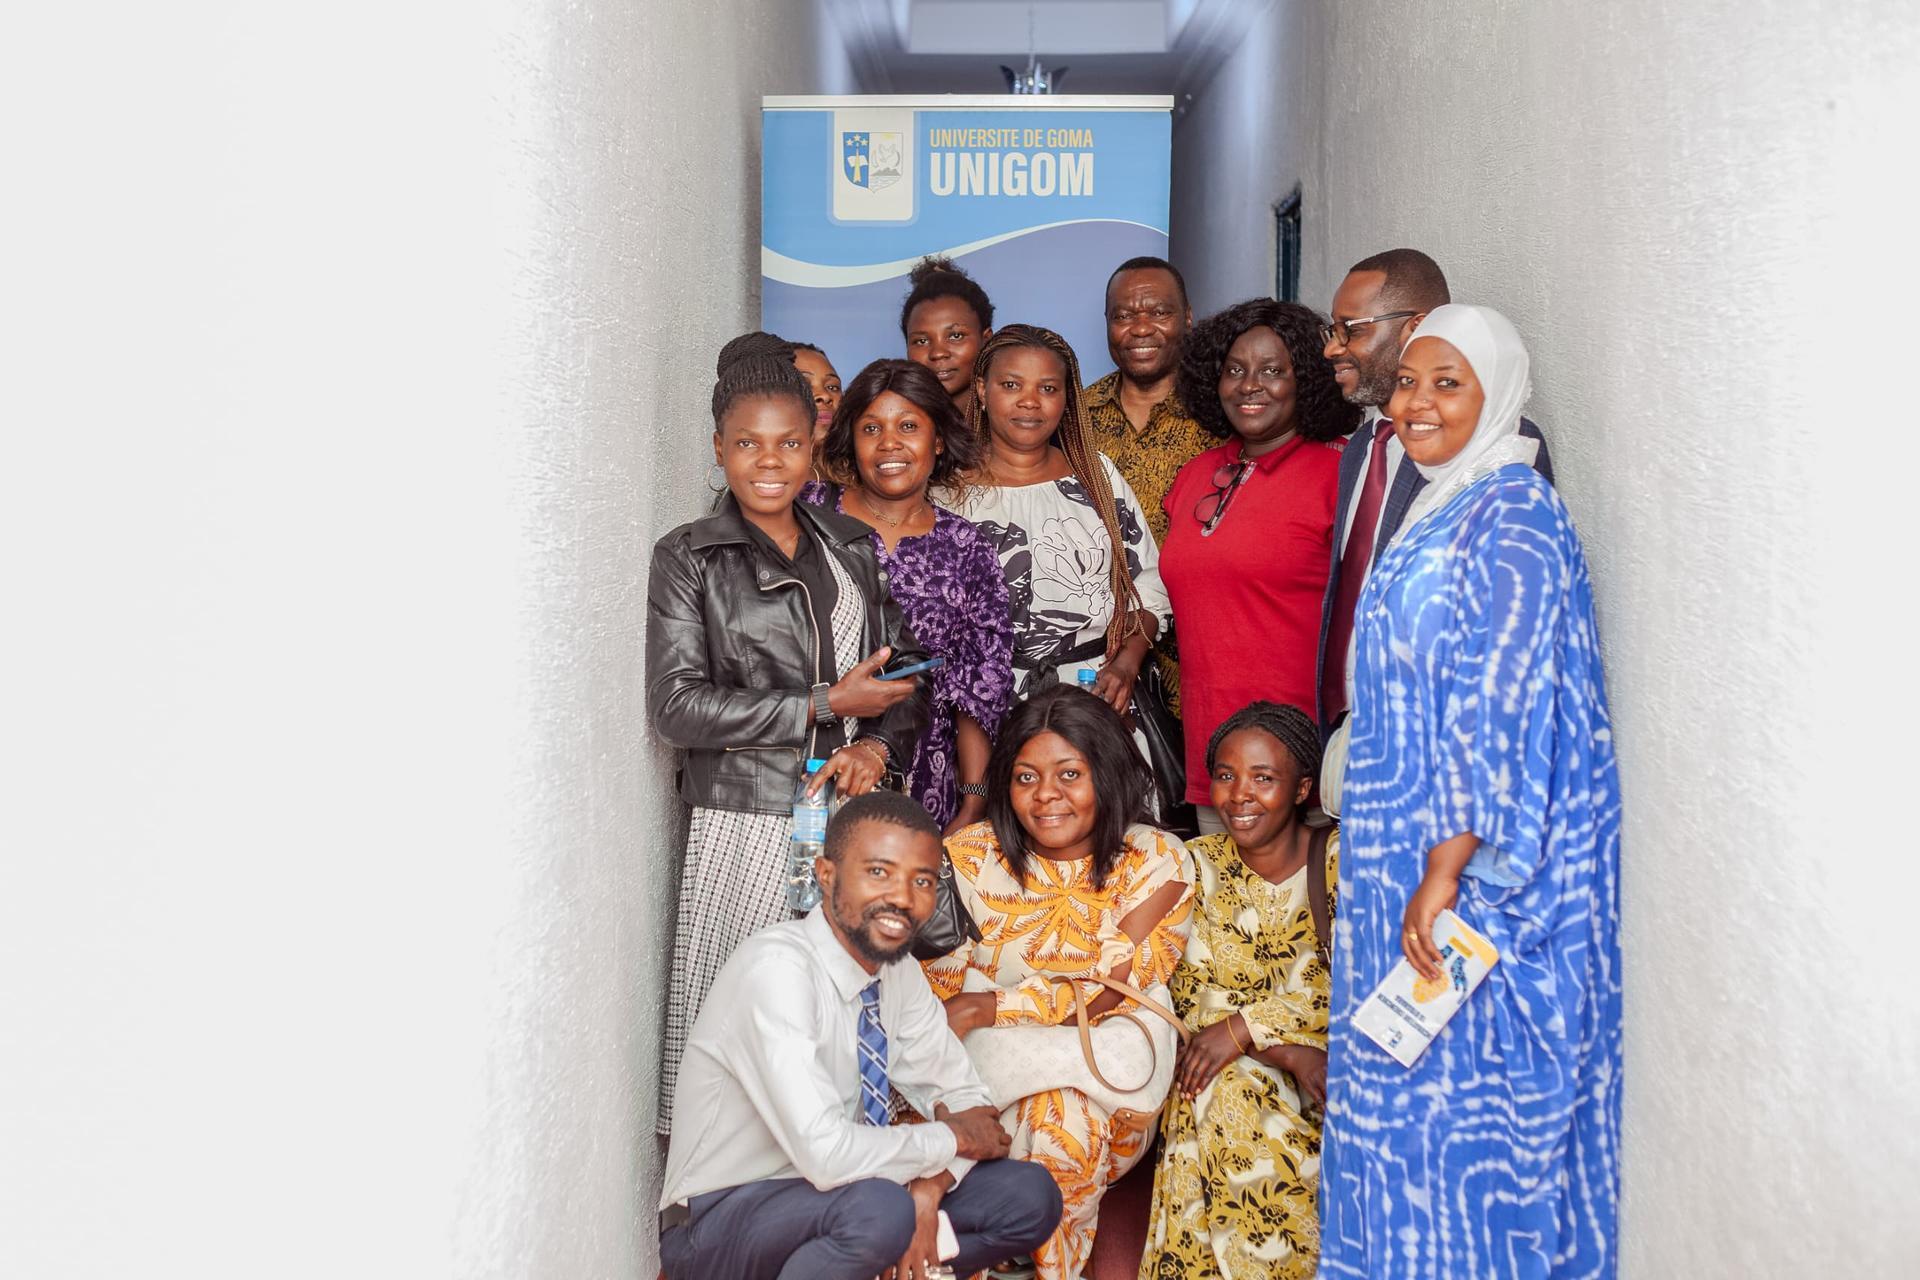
1480	706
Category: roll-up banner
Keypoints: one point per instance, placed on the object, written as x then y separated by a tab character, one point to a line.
1039	198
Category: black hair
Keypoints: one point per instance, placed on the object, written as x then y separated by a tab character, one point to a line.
755	342
878	805
1414	281
1320	411
936	277
1152	264
758	364
961	449
1121	779
808	346
1292	727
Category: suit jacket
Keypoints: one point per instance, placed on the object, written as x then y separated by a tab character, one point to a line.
1406	484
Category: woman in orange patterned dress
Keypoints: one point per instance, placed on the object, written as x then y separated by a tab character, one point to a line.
1065	881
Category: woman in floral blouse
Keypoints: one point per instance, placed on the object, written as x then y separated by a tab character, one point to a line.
1081	566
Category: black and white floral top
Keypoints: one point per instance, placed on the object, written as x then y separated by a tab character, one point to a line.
1055	555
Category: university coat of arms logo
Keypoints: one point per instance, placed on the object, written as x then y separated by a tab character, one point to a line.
870	160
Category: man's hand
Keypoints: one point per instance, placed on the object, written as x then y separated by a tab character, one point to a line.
971	1011
923	1251
976	1131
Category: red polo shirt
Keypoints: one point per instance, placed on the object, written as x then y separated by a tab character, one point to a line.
1247	597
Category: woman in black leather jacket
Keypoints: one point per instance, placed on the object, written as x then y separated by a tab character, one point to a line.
767	623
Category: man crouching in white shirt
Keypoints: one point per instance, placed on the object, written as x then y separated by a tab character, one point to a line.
782	1162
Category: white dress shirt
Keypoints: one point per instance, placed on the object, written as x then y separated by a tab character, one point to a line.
1395	452
770	1084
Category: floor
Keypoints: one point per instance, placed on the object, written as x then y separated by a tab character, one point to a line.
1123	1225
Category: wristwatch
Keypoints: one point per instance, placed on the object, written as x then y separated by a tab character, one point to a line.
822	709
973	789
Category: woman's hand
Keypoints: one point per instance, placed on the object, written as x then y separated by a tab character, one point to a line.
859	695
972	809
1437	892
855	768
1307	1066
1210	1050
971	1011
1114	684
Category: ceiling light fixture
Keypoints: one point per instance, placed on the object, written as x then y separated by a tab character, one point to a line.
1036	78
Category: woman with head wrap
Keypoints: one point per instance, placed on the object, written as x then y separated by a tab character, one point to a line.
1480	777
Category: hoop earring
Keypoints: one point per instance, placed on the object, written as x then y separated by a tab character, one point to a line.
713	470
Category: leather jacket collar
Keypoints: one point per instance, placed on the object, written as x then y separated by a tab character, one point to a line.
729	524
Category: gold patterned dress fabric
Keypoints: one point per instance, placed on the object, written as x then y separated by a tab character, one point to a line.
1058	926
1235	1192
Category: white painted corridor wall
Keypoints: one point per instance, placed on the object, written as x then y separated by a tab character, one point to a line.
368	353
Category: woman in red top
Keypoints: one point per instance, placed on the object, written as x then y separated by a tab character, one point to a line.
1250	522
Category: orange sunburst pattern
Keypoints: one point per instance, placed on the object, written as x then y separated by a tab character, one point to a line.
1037	937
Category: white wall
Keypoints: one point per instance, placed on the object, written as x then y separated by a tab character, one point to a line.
356	357
1692	212
1235	156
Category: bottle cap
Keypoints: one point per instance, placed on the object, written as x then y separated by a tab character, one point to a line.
814	766
1085	677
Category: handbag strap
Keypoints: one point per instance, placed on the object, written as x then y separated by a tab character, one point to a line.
1317	894
1135	994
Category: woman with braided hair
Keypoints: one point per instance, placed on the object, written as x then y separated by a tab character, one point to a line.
767	622
1235	1191
1081	566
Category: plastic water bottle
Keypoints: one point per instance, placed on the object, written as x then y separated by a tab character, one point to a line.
809	839
1085	677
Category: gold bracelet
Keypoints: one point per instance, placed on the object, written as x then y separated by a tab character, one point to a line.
1235	1036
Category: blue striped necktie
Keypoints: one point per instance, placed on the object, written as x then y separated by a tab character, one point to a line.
875	1096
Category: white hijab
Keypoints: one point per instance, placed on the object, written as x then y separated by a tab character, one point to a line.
1490	344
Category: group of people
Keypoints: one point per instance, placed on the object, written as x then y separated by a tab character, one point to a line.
1250	659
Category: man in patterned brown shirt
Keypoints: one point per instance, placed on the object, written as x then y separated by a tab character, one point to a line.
1133	414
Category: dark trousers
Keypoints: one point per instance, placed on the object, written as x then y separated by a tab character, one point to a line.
786	1229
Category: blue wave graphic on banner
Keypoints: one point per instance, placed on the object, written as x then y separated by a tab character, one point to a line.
1051	276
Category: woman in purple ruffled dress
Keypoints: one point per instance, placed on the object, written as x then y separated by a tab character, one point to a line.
895	437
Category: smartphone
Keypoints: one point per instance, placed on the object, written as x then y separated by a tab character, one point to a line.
901	673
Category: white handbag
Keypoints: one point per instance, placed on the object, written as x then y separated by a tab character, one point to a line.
1124	1063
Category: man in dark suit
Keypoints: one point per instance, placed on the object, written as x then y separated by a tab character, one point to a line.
1375	311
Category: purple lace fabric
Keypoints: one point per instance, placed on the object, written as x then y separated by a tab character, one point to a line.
949	587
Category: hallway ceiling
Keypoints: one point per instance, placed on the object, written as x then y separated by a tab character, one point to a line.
1107	46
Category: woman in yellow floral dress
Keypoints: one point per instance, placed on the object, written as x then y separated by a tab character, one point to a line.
1234	1196
1064	882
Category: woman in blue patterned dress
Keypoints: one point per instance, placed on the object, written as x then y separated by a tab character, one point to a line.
1480	776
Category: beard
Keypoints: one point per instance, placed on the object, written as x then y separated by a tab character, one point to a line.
1373	386
860	936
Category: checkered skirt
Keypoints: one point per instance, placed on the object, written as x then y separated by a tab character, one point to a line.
733	882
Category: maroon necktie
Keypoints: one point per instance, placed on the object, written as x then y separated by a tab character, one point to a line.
1353	576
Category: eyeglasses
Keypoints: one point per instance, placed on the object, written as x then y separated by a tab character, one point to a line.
1343	329
1226	481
